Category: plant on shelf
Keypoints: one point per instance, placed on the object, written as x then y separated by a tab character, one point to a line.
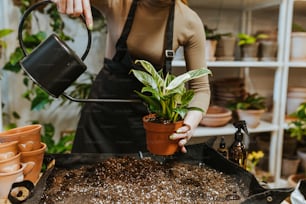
298	39
167	99
245	39
297	127
211	34
250	108
212	39
249	45
297	28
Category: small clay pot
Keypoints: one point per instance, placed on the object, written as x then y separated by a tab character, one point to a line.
10	164
8	149
7	179
37	157
28	137
157	136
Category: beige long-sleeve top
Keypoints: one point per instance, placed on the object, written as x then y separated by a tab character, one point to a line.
146	39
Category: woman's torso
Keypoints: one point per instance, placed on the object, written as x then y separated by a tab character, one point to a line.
146	39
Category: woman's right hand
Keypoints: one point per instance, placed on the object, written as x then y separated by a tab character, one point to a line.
76	8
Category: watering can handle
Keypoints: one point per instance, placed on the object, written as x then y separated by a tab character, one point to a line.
25	15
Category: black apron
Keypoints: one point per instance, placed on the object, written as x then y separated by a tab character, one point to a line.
117	127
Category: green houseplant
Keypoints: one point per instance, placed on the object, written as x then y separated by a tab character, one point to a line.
297	127
250	108
167	100
297	130
249	46
3	33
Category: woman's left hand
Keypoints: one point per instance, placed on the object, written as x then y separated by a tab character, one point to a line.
183	134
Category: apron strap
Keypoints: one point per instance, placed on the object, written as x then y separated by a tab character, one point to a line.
121	43
169	52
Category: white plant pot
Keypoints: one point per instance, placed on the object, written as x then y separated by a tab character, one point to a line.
298	44
210	50
251	117
293	103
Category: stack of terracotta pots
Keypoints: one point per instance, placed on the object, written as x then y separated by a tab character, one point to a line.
21	156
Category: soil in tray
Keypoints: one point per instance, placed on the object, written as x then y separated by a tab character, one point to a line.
132	180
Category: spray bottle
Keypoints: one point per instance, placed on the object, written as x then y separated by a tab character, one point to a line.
237	151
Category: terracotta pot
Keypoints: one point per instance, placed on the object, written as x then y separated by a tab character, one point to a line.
10	164
8	149
251	117
35	156
28	137
295	178
7	179
216	116
157	136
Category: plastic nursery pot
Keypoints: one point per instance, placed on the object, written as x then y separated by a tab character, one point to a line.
157	136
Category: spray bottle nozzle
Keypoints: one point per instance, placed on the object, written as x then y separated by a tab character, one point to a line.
241	125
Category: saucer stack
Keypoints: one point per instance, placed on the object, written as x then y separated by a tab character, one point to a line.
226	90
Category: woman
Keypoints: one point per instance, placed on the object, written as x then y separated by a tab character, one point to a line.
137	29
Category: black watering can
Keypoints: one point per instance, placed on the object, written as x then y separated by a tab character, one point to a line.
53	65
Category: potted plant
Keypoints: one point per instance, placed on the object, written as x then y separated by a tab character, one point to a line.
3	33
267	49
298	40
297	129
212	39
250	108
249	46
168	100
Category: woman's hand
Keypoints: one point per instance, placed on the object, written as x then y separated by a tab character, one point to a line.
183	134
76	8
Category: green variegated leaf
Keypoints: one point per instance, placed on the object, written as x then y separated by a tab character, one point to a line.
152	71
155	93
145	78
182	79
